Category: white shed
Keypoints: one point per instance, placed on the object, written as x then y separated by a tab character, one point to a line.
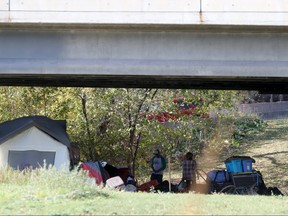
29	141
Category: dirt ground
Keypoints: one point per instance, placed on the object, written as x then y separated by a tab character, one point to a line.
270	153
269	149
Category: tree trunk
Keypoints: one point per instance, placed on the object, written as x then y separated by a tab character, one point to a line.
91	154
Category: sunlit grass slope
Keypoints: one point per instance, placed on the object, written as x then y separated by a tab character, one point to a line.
52	192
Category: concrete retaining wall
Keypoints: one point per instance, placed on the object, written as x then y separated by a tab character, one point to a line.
276	110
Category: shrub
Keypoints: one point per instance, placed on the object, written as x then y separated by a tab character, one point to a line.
245	127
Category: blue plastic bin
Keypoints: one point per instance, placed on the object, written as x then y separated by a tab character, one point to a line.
218	176
234	166
229	166
247	165
237	164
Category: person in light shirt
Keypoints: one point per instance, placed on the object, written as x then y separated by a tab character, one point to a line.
158	165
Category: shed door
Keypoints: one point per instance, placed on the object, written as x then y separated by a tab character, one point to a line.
30	158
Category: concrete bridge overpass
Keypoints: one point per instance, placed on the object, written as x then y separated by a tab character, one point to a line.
211	44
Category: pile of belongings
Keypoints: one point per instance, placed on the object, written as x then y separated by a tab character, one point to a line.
110	176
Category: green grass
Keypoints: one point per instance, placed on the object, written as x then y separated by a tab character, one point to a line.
18	200
52	192
22	199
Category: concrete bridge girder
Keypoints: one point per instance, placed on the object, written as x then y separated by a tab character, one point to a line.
219	44
184	12
145	58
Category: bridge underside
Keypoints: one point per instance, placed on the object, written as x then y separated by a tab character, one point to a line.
264	85
145	57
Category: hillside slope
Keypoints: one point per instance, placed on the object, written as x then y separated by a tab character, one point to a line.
270	150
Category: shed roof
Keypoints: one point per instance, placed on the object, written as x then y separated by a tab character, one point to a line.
54	128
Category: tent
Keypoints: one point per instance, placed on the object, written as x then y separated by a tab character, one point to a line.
96	171
29	141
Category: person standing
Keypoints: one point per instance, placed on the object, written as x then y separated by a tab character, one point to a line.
189	169
158	165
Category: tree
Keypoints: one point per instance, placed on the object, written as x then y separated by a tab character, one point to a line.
194	126
113	124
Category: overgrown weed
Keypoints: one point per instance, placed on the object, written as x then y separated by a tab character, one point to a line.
51	183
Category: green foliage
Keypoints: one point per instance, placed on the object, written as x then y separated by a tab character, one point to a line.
112	125
193	132
245	127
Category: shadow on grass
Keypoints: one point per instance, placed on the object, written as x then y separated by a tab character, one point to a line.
275	130
273	133
271	157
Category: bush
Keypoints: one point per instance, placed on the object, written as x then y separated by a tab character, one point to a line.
245	127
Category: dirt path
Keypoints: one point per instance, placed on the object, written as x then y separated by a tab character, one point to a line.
270	150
